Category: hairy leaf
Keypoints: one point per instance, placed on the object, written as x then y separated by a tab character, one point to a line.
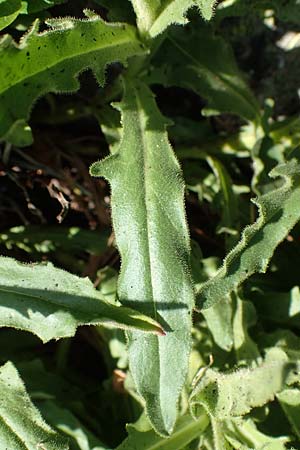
244	435
51	61
52	303
185	431
235	394
279	211
21	425
204	63
154	16
151	234
245	316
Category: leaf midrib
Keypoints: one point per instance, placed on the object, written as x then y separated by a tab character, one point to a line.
46	300
145	191
213	74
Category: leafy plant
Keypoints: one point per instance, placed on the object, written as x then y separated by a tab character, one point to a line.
210	357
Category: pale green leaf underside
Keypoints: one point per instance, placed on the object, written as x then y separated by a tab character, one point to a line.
21	425
279	211
51	61
235	394
185	431
154	16
52	303
151	234
245	431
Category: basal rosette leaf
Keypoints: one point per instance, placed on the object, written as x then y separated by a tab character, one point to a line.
152	237
50	61
52	303
21	424
204	63
235	394
279	211
155	16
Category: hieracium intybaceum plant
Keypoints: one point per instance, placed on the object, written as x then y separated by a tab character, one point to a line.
188	396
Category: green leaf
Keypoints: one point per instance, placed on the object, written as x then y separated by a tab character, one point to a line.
236	394
244	317
34	6
45	239
154	16
51	61
52	303
65	422
9	10
219	436
21	425
185	431
118	11
146	11
151	234
204	63
245	431
279	211
290	401
279	307
286	10
219	322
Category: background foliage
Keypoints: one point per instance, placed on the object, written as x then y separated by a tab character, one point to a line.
188	239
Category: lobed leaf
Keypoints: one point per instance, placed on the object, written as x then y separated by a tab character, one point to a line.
232	395
151	234
51	61
52	303
154	16
21	424
279	211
